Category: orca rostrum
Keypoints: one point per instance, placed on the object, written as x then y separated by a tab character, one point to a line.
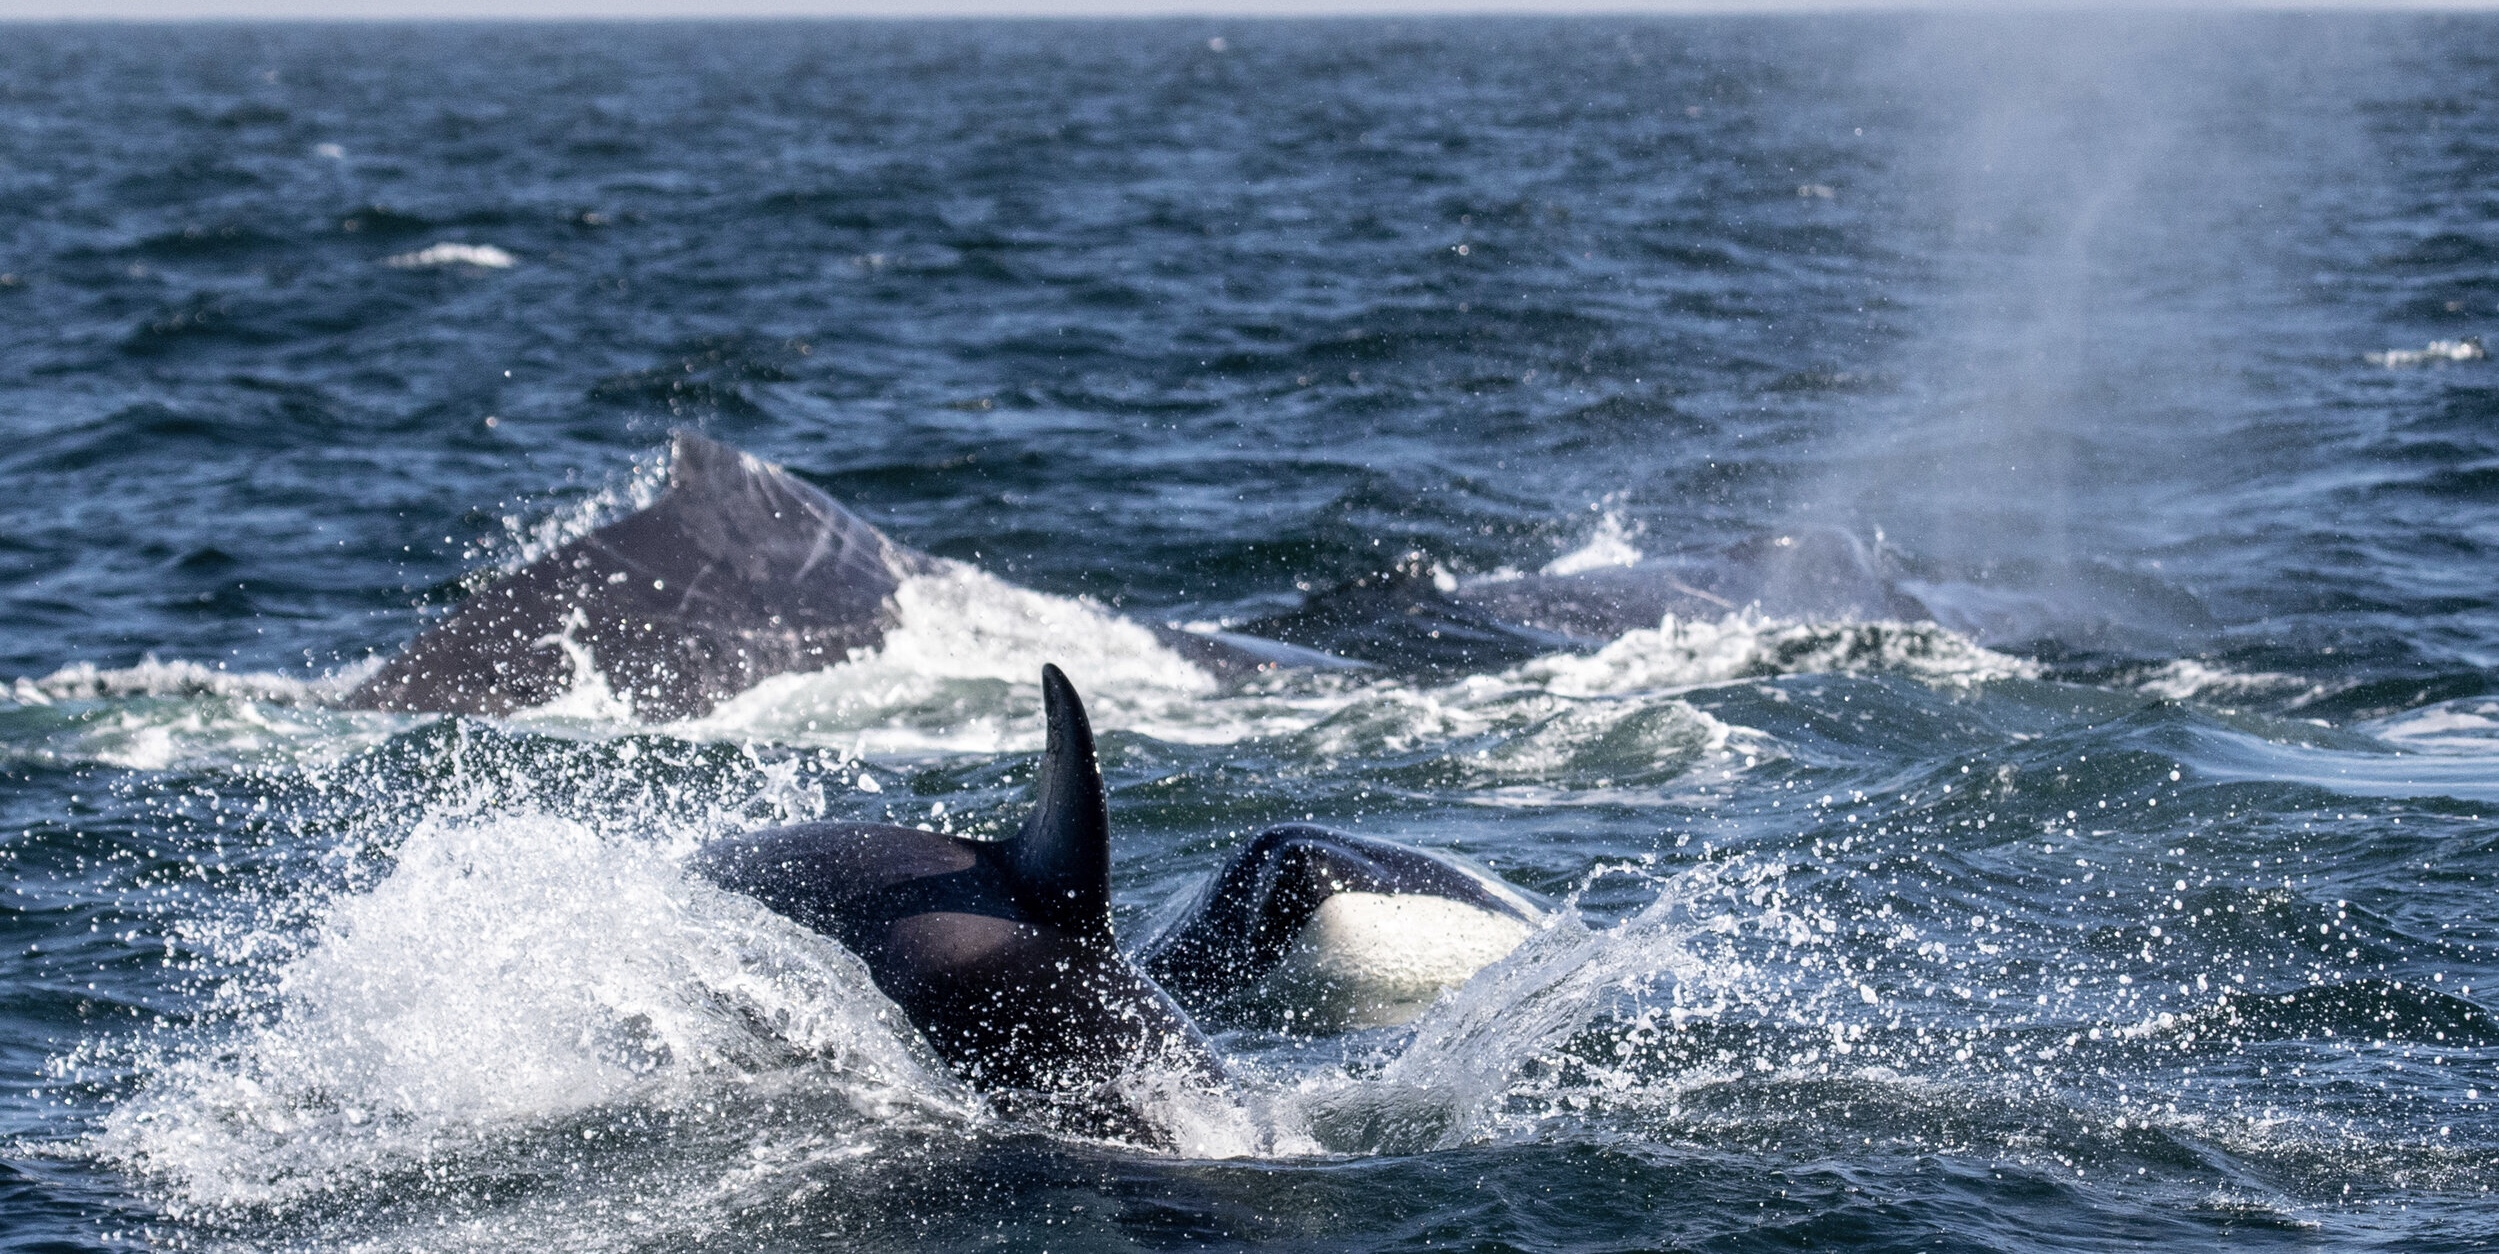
1318	930
999	952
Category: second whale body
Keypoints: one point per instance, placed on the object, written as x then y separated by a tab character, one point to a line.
1320	930
742	571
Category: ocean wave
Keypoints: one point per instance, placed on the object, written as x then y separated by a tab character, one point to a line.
435	256
2187	679
1520	747
2466	727
85	681
175	715
1680	653
2438	352
958	674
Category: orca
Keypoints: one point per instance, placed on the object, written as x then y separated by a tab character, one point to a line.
742	571
999	952
1317	930
1002	956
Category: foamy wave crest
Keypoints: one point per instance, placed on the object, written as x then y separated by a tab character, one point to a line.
1526	746
2187	679
432	256
152	678
1392	719
1598	745
1683	654
2437	352
2466	727
521	976
167	715
960	673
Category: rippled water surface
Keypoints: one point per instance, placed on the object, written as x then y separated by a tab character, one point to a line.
2150	902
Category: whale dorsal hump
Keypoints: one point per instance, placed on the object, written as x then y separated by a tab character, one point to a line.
739	572
1059	865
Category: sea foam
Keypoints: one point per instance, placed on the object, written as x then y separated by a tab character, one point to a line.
482	256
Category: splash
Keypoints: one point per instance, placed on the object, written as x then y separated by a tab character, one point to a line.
520	541
1610	545
1500	1056
1761	1002
587	699
516	977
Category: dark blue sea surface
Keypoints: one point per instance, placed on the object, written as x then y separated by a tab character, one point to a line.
2150	903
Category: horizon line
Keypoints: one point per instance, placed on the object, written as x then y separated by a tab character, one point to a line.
516	12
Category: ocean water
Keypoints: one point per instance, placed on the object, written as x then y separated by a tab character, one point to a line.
2150	905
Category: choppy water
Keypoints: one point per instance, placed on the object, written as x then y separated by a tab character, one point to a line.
2154	907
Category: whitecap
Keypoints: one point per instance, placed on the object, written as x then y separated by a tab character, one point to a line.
2188	679
1680	653
2467	726
2436	351
447	253
161	715
959	672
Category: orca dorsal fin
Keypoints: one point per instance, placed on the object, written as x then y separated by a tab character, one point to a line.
1059	865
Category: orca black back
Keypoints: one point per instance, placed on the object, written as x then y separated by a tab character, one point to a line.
999	952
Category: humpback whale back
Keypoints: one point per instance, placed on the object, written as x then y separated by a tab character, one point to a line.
1819	574
1409	618
739	572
